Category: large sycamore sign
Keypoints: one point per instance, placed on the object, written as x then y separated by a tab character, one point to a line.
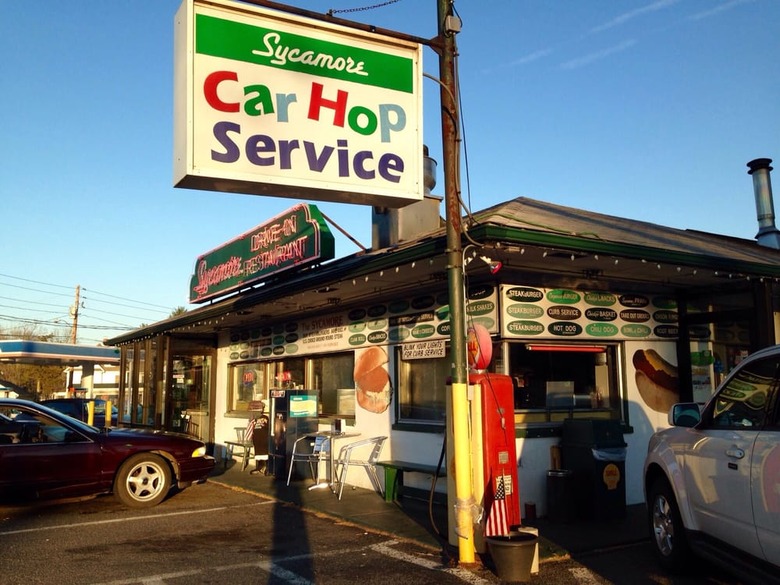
293	239
268	103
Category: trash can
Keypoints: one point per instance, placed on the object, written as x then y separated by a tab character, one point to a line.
560	495
594	450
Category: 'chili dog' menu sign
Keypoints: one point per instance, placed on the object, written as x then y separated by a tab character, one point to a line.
563	313
268	103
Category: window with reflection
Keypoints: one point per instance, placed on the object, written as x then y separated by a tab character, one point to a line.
742	402
564	377
330	375
422	387
248	382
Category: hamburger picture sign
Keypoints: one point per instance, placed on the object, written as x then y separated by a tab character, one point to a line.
268	103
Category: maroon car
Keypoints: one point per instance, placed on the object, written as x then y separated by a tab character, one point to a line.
44	453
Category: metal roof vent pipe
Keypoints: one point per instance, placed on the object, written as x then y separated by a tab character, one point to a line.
768	235
393	226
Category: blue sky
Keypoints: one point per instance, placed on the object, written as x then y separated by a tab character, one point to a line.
636	108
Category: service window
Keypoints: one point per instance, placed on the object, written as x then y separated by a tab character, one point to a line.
332	376
564	377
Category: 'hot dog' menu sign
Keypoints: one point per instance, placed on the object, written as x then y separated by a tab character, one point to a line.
563	313
268	103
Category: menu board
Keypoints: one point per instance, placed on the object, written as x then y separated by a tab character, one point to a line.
565	313
411	320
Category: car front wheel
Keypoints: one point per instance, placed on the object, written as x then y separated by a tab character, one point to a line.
666	527
143	481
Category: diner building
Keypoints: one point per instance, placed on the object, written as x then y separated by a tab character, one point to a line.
594	317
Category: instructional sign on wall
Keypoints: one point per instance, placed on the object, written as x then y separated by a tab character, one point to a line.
269	103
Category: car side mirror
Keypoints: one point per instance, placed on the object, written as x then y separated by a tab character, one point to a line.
685	414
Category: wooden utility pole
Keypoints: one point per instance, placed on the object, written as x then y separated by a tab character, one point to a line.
449	26
74	312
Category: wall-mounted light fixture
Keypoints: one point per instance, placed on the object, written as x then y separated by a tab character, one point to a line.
572	348
493	265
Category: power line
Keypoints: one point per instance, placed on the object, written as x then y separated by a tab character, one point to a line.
89	317
30	302
86	298
35	289
34	281
131	300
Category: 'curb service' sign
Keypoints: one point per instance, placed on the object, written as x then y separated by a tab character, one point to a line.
268	103
293	239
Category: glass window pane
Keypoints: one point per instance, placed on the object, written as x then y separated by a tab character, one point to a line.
558	378
247	383
422	387
332	376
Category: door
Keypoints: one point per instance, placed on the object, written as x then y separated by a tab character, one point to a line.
721	469
44	456
765	471
189	403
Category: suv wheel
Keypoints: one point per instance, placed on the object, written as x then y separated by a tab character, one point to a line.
666	527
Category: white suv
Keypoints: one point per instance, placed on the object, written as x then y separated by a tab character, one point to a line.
712	481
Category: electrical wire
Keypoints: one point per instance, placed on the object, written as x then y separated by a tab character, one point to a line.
32	312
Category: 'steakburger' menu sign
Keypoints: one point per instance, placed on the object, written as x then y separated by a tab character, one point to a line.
295	238
268	103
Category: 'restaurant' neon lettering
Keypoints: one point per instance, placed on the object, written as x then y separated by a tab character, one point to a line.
281	54
290	252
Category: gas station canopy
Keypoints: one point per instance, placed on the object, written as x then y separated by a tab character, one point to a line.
61	354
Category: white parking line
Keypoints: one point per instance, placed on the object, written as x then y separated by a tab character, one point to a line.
285	575
133	519
462	574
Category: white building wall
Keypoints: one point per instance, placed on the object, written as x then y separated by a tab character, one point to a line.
533	454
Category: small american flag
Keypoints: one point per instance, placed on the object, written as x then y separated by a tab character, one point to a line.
497	523
250	430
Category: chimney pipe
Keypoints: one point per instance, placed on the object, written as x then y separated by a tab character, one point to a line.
768	234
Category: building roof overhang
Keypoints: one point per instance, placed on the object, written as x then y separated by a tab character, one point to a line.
547	243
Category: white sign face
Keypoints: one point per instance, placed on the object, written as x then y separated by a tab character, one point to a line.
423	350
267	103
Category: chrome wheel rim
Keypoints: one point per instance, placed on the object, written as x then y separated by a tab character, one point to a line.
663	526
145	481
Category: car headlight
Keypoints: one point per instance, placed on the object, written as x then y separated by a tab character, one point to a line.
199	452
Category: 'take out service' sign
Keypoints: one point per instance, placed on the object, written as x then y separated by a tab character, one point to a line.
267	103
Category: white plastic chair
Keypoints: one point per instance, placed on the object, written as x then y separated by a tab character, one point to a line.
320	450
349	458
